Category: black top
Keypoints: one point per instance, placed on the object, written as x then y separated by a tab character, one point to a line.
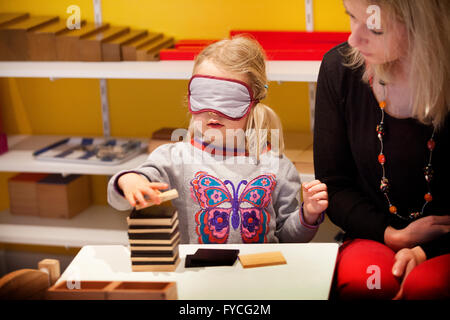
346	149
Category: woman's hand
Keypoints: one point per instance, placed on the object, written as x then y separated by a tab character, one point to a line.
406	260
417	232
135	188
315	198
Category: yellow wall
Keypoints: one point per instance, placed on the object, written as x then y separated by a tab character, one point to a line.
139	107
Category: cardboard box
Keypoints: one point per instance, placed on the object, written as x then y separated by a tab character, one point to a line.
63	197
23	194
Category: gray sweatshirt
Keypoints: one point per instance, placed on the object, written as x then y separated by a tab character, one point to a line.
226	198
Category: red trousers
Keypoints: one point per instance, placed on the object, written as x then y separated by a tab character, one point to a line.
364	271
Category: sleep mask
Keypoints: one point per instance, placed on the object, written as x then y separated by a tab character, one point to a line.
230	98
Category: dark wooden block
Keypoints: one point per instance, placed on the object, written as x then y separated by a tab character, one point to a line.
91	46
212	258
111	48
14	39
68	42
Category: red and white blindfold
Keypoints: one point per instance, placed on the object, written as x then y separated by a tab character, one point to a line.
230	98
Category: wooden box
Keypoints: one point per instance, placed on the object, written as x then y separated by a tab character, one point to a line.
13	37
68	42
114	290
42	41
112	48
63	197
23	194
91	46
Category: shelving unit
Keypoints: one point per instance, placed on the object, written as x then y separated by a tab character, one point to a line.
97	224
303	71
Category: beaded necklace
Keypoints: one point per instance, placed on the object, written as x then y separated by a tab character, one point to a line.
428	170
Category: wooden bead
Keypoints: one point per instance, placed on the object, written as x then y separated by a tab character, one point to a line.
393	209
381	158
382	104
428	197
431	144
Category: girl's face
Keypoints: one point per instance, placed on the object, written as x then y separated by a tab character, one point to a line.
377	45
205	121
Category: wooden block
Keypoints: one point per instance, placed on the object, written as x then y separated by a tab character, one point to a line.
24	284
262	259
50	266
153	229
42	41
9	17
129	50
87	290
68	42
13	37
91	46
63	197
111	48
164	196
139	266
23	193
155	242
143	291
150	52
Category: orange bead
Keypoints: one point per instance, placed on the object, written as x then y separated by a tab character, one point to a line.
381	158
428	197
393	209
382	104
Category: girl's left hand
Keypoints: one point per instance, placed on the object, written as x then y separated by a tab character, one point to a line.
315	198
405	260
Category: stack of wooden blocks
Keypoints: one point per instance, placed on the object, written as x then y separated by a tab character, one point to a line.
47	38
154	238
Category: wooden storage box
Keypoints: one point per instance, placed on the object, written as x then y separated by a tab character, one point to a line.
63	197
13	37
91	46
23	194
114	290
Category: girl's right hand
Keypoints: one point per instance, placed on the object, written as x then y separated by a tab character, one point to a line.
417	232
135	187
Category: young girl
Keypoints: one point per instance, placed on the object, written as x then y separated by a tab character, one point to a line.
245	193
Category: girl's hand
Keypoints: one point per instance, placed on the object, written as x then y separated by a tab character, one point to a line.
406	260
135	187
417	232
315	198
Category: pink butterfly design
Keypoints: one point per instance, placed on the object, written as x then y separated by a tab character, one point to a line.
221	209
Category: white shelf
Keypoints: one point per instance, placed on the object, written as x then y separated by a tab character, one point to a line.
19	158
95	225
306	71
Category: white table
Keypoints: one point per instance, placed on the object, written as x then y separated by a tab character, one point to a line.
307	274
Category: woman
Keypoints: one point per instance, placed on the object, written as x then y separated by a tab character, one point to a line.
381	142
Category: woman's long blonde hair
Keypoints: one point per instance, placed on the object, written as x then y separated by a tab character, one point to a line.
244	55
427	24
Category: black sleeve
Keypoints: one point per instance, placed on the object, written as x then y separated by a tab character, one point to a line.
348	207
437	247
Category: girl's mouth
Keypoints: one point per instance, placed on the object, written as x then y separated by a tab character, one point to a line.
214	125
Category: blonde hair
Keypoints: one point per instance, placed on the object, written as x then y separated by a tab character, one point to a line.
243	55
427	25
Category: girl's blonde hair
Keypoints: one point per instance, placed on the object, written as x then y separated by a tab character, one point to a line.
243	55
427	25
